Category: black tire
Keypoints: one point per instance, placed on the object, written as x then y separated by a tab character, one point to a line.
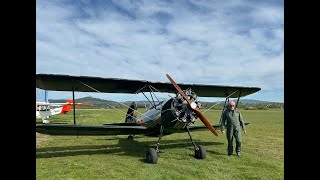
130	137
201	153
152	156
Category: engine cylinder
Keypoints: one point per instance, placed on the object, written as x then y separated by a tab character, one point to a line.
182	110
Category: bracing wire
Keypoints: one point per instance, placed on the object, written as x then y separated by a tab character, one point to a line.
219	102
113	108
116	101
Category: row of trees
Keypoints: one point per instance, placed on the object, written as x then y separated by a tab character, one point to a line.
245	106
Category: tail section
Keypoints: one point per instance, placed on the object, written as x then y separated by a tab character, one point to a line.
66	108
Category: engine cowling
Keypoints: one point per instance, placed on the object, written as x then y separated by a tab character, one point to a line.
181	109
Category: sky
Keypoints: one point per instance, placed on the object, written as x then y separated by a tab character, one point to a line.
234	43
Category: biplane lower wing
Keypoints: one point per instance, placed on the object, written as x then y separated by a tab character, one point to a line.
91	130
106	129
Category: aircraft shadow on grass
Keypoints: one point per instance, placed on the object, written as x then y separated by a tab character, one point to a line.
54	122
124	147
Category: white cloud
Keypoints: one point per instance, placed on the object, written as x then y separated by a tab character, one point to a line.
268	14
204	43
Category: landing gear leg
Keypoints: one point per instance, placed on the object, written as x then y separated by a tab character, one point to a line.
199	151
160	135
152	154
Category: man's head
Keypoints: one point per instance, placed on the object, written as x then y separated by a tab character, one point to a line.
232	105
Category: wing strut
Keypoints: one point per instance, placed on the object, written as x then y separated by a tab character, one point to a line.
148	99
74	107
154	104
224	106
227	99
238	98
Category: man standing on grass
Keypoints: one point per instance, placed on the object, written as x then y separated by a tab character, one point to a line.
232	118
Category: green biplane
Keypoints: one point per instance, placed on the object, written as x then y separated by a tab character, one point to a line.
177	114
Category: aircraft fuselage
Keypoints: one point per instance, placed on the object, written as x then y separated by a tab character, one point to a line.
166	114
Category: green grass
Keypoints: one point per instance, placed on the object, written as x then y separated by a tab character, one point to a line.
114	157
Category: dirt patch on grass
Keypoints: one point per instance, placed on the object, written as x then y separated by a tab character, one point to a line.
41	138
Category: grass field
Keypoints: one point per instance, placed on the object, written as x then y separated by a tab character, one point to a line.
114	157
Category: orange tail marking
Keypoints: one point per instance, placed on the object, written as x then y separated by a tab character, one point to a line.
65	109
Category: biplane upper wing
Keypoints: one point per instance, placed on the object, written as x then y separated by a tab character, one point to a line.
114	85
89	130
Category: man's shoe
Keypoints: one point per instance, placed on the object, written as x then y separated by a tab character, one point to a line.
238	154
229	154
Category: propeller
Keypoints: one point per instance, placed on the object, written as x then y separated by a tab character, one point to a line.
193	105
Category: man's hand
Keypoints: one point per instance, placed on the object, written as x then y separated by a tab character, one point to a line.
244	131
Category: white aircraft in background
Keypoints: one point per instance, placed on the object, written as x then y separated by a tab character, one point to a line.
45	109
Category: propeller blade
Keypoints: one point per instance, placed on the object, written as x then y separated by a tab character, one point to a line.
193	106
205	121
179	89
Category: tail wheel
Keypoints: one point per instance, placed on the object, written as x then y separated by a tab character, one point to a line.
130	137
152	156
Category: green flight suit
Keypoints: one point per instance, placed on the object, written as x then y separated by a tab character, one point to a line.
232	119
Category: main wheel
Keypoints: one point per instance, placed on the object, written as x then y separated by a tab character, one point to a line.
152	156
200	153
130	137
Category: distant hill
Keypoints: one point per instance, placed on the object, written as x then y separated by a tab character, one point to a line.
95	102
101	103
98	101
